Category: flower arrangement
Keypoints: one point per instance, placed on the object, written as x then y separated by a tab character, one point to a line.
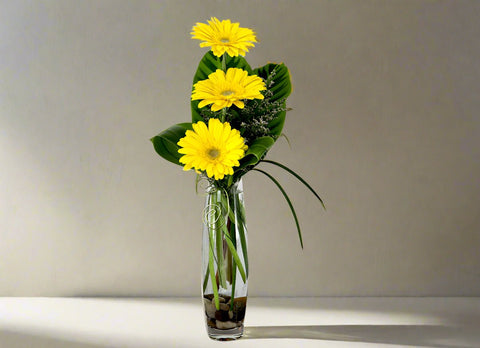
238	114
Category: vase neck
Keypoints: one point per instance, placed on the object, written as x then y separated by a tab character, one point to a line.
235	188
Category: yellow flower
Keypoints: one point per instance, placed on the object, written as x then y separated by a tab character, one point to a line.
216	149
224	36
224	89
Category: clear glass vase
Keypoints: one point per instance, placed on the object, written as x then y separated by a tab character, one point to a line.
224	262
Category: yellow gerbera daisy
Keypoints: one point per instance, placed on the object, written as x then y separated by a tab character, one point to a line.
224	36
224	89
216	149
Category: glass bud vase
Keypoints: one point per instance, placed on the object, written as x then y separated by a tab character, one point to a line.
224	262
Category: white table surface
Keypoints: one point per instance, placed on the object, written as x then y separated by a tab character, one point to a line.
270	322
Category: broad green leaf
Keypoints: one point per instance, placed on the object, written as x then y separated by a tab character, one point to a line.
256	151
260	146
288	201
279	76
165	143
281	87
276	125
238	62
209	64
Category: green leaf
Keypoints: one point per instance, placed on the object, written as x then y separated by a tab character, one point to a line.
238	62
205	279
211	269
288	140
239	223
209	64
288	201
276	125
260	146
281	87
256	151
243	242
234	253
165	143
218	244
279	76
299	178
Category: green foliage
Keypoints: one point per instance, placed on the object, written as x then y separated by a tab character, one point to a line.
277	79
260	122
256	151
298	177
259	117
292	209
165	143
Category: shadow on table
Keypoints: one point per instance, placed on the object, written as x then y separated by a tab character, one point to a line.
436	336
10	339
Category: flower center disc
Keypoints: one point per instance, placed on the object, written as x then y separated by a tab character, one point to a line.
227	93
224	40
213	153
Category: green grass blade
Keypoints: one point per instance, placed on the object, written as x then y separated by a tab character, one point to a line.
205	279
226	203
238	219
237	259
298	177
218	224
233	270
288	140
243	242
288	201
212	275
232	249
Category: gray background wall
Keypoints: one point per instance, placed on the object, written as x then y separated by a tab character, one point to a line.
385	125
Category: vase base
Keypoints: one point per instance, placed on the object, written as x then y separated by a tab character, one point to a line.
225	335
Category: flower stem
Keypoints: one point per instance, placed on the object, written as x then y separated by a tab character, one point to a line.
224	68
224	114
224	62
